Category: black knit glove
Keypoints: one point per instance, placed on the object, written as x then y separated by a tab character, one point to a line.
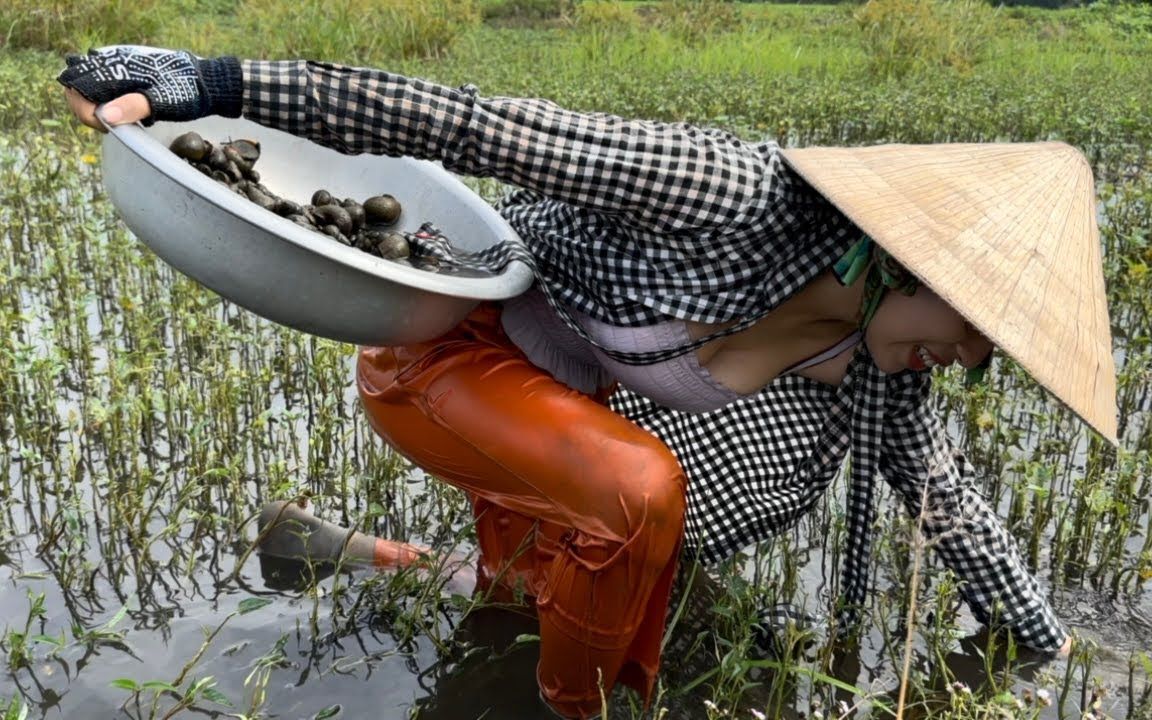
179	85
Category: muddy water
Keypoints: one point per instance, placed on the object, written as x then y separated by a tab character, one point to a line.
367	679
328	650
358	645
345	645
323	652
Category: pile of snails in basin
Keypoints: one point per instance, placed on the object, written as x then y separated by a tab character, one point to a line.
366	226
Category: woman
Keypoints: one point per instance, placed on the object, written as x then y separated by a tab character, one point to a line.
697	270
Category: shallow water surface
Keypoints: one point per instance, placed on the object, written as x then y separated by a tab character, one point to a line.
145	423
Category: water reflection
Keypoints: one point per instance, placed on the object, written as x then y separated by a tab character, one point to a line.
146	423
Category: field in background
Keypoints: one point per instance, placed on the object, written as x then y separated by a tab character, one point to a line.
143	420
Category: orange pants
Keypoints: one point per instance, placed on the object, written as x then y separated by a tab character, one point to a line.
574	504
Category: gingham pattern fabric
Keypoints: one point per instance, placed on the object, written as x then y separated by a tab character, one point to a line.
429	240
963	529
867	433
629	222
632	222
757	466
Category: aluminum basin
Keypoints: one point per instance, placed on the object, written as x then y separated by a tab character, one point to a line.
290	274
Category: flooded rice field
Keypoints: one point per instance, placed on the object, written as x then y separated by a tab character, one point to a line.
144	423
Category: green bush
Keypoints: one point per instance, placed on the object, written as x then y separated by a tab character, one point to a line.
1133	19
604	15
600	25
693	22
76	25
355	31
527	10
902	36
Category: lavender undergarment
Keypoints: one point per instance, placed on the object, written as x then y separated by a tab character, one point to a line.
680	383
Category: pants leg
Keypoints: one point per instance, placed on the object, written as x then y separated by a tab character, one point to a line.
605	498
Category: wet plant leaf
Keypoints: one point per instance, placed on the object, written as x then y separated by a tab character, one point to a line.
126	684
160	686
1005	698
16	713
248	605
1146	661
214	695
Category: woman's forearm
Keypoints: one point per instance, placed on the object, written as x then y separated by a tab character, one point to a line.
966	533
667	177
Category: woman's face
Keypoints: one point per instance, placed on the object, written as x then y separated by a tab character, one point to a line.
919	331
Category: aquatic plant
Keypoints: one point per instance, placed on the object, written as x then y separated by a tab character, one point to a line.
144	420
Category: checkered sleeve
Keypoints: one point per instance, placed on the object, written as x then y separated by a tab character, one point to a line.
958	522
663	177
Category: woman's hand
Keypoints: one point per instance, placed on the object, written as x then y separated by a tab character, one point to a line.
1066	648
147	84
124	110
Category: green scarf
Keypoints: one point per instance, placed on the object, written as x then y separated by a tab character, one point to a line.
884	273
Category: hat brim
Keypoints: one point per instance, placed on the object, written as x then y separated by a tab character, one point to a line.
1006	234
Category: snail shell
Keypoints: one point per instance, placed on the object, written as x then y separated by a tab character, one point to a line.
382	209
390	245
249	150
334	215
190	146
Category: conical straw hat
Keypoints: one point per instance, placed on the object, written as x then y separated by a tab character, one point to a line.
1006	234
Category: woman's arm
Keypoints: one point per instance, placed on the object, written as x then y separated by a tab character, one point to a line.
665	177
958	522
661	177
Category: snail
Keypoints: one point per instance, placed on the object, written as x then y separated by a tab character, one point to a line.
382	209
190	146
389	244
363	226
334	215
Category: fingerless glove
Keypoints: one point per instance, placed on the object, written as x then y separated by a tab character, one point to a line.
179	85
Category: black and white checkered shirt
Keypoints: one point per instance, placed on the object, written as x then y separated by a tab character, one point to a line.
633	222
